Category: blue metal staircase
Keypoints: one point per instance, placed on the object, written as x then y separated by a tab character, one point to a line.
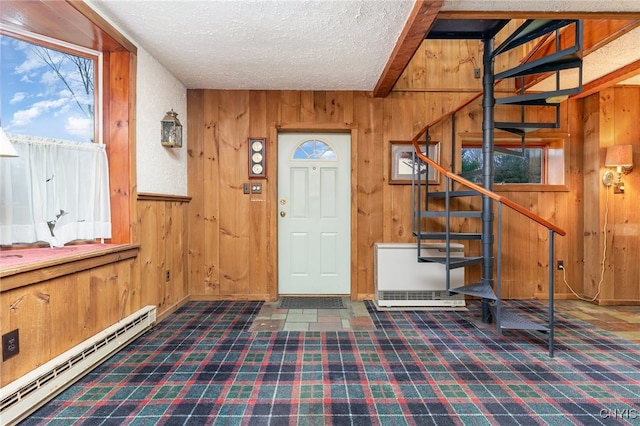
431	209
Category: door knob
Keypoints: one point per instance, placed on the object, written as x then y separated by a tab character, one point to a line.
283	214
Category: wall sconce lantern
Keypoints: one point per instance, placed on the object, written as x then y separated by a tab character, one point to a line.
620	157
171	130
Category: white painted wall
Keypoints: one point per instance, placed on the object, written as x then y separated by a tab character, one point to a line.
159	170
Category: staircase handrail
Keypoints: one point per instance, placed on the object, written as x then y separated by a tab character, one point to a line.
511	204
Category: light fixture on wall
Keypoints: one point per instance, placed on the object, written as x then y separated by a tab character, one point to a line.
171	130
6	148
620	157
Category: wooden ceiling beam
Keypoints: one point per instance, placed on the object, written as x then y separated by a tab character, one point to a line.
609	80
420	21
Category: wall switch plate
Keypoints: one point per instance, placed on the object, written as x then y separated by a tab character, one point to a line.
245	188
476	73
10	344
256	188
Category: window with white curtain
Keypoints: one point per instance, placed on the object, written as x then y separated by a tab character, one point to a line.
57	190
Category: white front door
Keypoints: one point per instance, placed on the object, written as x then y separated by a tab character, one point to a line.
314	213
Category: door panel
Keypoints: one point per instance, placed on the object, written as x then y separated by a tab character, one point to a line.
314	218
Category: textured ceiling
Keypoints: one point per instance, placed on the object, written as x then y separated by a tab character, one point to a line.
292	44
265	44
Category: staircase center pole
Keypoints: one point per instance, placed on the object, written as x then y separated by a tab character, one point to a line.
488	103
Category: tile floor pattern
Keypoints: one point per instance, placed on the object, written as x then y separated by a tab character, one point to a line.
354	317
622	321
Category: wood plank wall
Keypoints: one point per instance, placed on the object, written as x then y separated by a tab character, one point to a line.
232	241
611	118
54	315
233	245
163	250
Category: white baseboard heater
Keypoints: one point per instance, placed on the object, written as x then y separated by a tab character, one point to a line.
22	397
402	281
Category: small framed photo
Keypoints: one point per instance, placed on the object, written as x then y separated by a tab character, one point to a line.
402	162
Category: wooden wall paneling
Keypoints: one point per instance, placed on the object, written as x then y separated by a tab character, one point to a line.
291	107
320	114
592	172
547	207
624	212
368	113
399	127
172	246
210	189
57	314
29	310
234	224
307	112
443	65
607	137
260	204
151	277
119	147
196	130
573	242
340	106
414	75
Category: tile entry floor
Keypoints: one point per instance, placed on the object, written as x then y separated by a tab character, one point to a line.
353	317
623	321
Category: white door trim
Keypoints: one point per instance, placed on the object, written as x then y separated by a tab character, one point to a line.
277	128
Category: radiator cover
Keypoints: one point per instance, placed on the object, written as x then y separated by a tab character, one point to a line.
402	281
22	397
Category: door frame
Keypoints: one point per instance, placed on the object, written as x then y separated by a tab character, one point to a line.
272	165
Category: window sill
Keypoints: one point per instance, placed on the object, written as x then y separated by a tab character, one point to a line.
20	268
529	187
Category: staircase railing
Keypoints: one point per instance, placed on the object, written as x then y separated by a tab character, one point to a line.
500	200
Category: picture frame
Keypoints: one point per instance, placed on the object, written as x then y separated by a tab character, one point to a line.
401	157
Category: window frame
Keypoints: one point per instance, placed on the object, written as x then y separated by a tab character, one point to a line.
79	25
72	49
554	159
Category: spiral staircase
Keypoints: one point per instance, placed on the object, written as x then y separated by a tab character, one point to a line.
437	214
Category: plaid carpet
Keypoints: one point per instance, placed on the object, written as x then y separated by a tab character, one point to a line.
202	366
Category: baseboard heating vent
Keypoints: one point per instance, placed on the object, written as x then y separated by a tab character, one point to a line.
22	397
419	298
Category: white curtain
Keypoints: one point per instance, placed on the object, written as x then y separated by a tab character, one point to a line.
55	192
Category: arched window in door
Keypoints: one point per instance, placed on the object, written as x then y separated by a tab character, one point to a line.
315	149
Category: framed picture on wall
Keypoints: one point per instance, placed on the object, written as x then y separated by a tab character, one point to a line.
402	162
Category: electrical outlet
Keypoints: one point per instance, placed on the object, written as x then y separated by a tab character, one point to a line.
560	265
167	275
10	344
476	73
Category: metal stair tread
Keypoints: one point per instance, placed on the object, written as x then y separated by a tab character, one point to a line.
509	320
443	235
454	262
538	98
530	30
479	289
521	129
443	194
564	59
454	213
